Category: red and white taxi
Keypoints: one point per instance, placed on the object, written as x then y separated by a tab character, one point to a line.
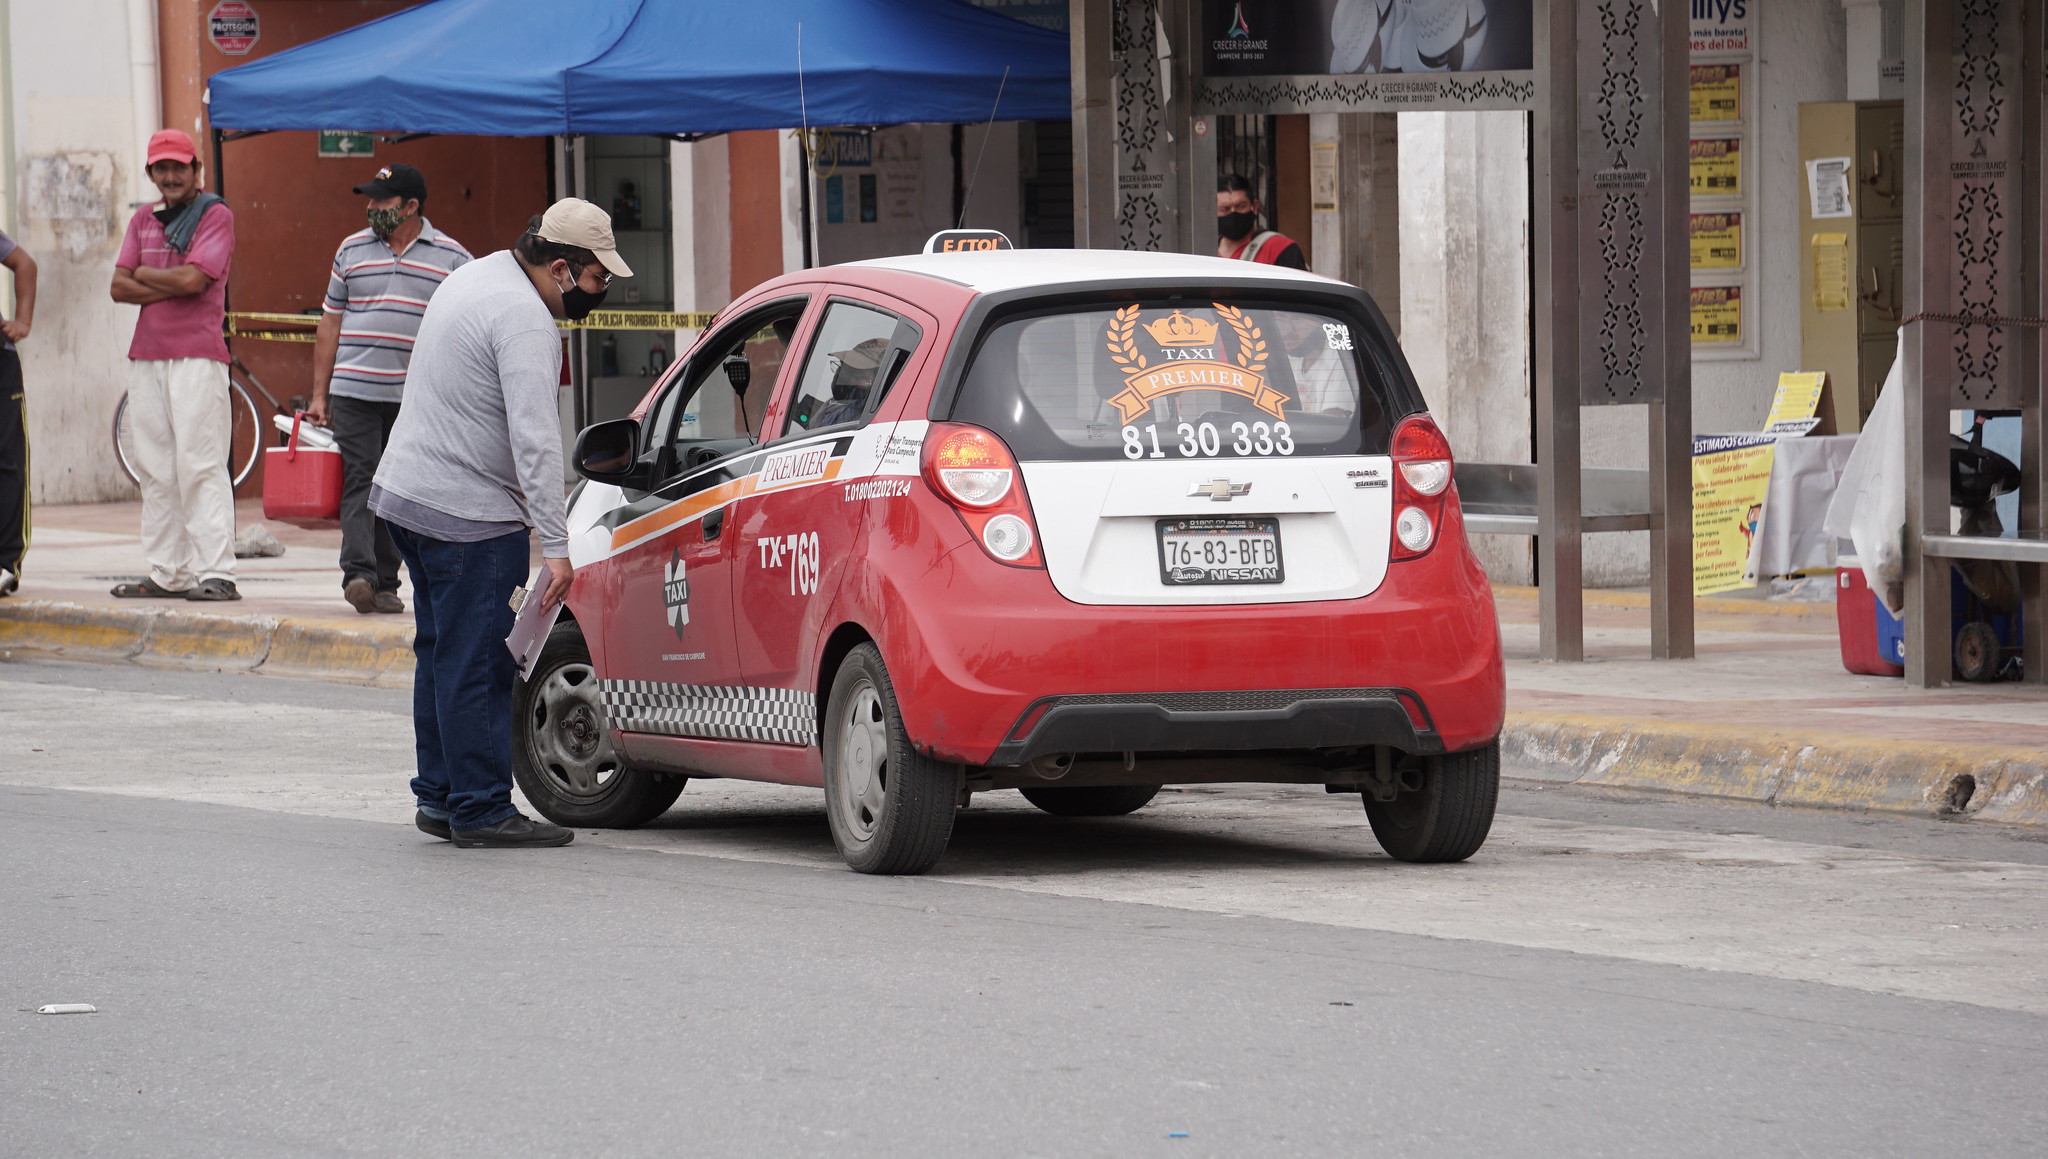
1078	523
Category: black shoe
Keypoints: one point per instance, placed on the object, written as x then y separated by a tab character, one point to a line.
432	826
512	833
360	595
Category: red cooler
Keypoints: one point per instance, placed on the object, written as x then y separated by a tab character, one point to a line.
1856	613
301	484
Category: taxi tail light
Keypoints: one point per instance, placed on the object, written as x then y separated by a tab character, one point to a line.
973	470
1422	485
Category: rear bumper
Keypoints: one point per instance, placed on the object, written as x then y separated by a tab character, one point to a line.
1310	718
1415	666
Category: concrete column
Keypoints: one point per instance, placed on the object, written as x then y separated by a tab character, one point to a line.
1864	47
1089	33
1462	285
1369	171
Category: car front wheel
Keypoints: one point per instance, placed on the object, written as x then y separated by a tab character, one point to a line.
891	808
1441	812
562	753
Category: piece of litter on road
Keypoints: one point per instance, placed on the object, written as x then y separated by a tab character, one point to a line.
68	1008
1343	1004
1176	1134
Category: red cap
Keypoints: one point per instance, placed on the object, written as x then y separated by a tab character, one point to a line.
171	145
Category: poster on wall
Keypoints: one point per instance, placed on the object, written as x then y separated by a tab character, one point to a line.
1721	25
1340	37
1716	315
1716	241
1715	93
1716	167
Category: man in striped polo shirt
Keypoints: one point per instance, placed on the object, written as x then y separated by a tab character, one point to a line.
383	277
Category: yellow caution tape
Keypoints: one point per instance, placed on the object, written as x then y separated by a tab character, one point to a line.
598	320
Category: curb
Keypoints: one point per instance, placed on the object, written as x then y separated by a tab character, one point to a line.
1619	598
281	646
1814	770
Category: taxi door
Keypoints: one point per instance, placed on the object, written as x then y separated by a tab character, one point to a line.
803	518
672	666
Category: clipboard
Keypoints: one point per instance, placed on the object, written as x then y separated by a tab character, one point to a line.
531	626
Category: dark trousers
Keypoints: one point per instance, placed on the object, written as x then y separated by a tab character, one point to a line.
361	429
462	681
13	464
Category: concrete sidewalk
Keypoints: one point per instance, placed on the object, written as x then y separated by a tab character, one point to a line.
1765	713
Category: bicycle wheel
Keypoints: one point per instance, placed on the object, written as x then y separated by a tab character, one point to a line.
245	433
245	436
121	436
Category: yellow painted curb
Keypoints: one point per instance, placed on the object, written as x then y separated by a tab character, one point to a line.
78	630
1823	770
211	641
326	651
1607	598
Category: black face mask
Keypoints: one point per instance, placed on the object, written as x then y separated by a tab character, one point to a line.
1236	226
577	302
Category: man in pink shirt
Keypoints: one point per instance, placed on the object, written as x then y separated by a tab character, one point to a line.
174	264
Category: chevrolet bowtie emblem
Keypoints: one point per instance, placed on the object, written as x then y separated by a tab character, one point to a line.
1220	490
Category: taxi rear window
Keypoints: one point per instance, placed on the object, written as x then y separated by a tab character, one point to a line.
1179	379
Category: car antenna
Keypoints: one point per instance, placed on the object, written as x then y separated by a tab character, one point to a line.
983	151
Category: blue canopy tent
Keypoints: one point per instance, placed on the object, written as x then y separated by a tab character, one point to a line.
668	67
672	68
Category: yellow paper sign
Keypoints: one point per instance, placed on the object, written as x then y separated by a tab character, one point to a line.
1716	167
1716	241
1189	354
1715	93
1831	271
1716	314
1730	476
1798	396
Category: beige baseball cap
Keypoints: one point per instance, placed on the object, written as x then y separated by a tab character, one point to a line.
574	221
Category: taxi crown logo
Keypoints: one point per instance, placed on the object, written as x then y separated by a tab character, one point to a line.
1189	360
1177	329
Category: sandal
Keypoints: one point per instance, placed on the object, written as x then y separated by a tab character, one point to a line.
148	589
214	589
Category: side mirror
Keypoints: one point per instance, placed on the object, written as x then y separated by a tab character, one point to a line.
738	372
605	454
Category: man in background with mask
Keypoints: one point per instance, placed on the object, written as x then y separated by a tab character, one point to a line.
1237	224
474	460
383	278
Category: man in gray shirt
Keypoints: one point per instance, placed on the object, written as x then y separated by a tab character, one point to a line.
474	460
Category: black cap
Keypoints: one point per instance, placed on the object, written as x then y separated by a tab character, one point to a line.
395	181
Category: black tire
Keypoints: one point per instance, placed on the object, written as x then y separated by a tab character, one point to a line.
891	808
562	752
1092	800
1977	652
1447	817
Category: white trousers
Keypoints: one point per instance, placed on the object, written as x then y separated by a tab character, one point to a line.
178	417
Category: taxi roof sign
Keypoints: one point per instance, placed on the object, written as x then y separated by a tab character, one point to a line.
956	241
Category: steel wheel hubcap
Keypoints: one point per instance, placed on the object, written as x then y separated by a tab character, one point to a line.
863	761
566	733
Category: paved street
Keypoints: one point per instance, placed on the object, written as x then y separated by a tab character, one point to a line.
224	865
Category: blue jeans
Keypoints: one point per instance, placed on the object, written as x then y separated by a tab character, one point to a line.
462	683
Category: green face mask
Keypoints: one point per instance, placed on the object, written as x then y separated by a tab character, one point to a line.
385	222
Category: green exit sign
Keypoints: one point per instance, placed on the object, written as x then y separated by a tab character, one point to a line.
335	143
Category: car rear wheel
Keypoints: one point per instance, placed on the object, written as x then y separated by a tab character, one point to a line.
1444	812
562	753
1092	800
891	808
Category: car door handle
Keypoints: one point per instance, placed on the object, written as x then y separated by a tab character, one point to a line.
713	524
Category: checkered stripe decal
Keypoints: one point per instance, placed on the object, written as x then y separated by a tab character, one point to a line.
774	715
